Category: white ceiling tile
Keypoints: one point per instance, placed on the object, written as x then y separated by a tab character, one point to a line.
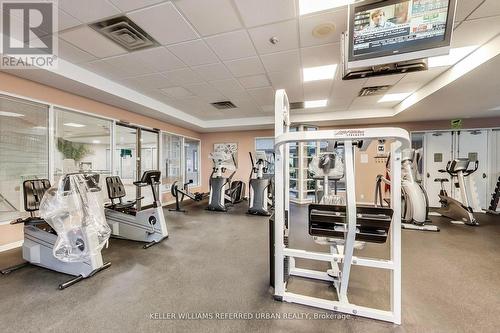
129	5
291	82
337	20
365	102
340	103
245	67
254	81
317	90
464	8
66	21
281	61
295	93
183	76
92	10
258	12
228	87
241	97
423	77
73	54
467	33
232	45
284	79
160	59
104	69
210	17
404	87
205	90
92	42
213	72
384	80
177	92
194	53
263	96
286	33
131	64
151	81
347	89
487	9
321	55
268	108
164	23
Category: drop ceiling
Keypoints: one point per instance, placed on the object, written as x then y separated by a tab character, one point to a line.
217	50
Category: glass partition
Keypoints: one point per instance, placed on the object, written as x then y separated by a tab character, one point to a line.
82	144
24	155
149	160
126	158
171	167
191	153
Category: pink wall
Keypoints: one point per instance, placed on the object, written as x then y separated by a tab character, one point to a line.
246	143
29	89
22	87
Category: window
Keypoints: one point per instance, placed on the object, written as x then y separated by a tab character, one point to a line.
191	153
266	145
171	166
23	151
82	143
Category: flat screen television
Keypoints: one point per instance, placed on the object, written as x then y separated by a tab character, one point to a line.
388	31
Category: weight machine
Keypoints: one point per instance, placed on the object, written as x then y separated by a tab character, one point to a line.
350	223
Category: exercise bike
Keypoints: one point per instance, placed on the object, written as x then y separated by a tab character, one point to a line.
66	229
458	169
131	220
179	195
223	189
414	200
261	185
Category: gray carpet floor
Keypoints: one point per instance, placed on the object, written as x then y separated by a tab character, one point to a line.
217	263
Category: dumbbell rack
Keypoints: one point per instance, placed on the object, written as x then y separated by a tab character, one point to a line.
495	198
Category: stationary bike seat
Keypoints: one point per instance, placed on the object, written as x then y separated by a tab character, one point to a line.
442	180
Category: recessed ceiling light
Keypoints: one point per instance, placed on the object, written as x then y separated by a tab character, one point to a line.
320	73
451	59
74	125
394	97
96	141
315	104
10	114
311	6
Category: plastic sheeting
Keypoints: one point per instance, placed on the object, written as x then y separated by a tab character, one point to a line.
73	209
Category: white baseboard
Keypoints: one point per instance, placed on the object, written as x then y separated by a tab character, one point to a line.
11	246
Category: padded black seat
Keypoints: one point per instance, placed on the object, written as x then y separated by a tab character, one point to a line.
116	190
33	191
442	180
372	225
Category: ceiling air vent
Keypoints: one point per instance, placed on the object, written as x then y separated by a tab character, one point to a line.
125	32
372	91
223	105
296	105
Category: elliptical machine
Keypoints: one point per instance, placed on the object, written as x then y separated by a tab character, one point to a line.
458	169
70	231
224	189
130	220
261	187
414	200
